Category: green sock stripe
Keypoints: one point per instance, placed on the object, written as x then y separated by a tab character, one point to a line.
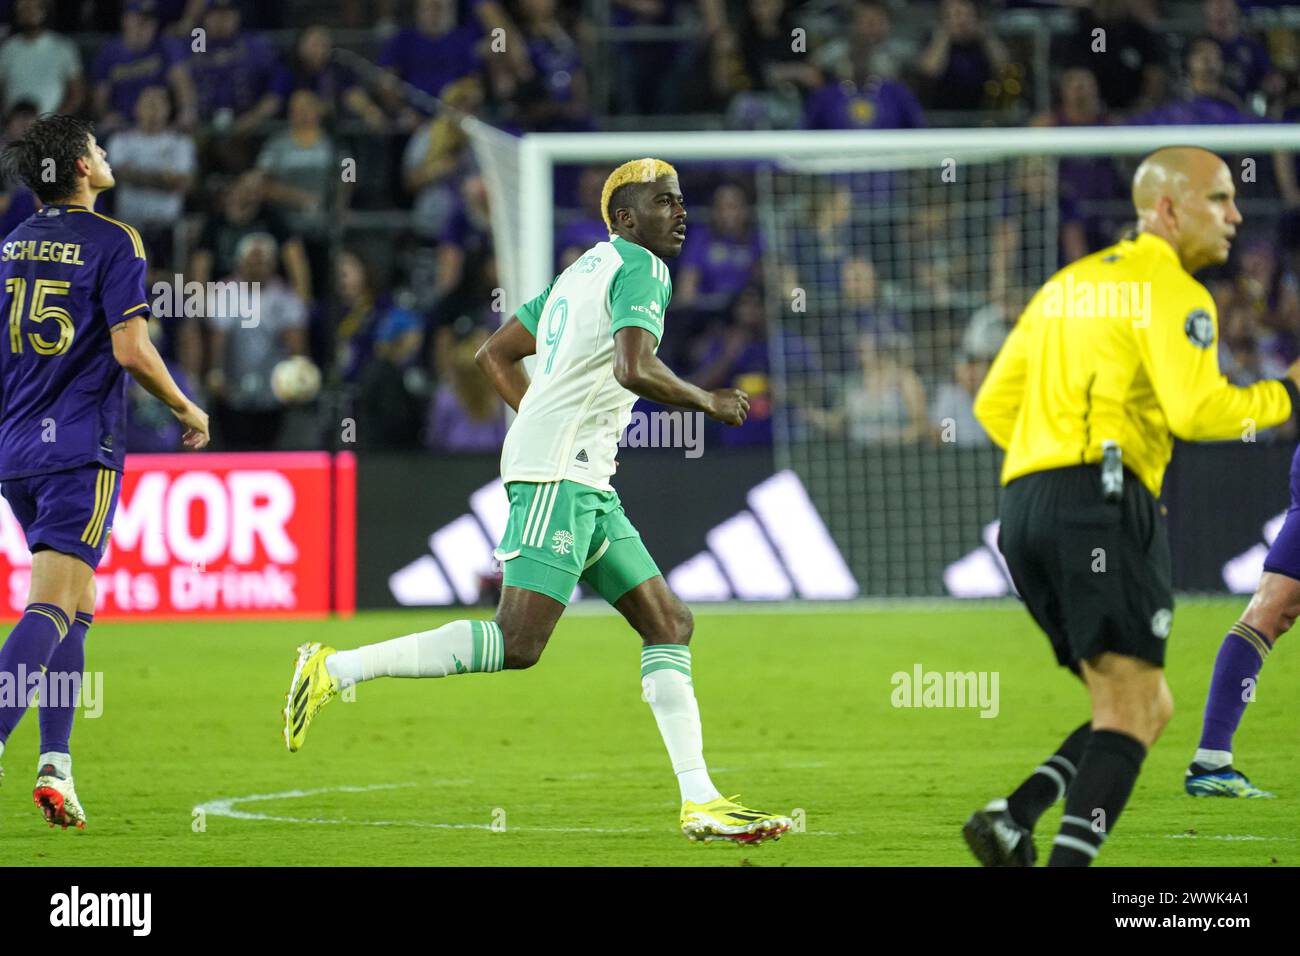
647	656
496	649
666	658
658	657
476	643
676	650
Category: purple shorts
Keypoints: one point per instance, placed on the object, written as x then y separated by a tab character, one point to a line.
1284	555
66	511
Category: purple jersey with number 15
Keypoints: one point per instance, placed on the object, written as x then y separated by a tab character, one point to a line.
67	276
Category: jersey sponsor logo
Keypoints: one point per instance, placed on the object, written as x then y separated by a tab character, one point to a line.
1161	622
651	311
1199	328
562	542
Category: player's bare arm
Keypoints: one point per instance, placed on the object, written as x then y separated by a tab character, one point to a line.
639	370
135	352
501	359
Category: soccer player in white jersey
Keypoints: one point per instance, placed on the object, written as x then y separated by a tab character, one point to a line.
595	331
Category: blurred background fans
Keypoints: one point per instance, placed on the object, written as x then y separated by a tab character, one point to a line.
316	148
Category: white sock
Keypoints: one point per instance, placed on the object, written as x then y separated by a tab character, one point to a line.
461	647
1213	758
62	762
666	686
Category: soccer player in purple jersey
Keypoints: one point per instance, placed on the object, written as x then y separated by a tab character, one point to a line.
1271	612
72	287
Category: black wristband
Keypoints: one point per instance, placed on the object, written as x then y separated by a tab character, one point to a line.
1294	392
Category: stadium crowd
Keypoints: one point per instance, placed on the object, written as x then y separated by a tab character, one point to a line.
298	146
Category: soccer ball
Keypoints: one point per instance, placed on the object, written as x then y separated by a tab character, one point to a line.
295	380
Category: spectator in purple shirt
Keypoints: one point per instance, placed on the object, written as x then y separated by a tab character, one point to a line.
1207	100
962	57
357	309
555	99
361	316
232	75
428	56
720	258
866	102
466	415
136	60
1246	66
310	68
862	99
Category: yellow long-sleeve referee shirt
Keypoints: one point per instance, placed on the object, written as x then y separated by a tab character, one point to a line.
1121	345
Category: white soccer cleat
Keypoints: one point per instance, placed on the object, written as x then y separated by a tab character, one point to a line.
57	798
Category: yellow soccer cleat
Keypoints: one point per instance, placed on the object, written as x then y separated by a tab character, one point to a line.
725	819
311	688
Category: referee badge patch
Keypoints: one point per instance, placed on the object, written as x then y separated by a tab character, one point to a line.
1161	622
1199	328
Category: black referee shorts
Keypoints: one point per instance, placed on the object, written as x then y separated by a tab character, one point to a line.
1094	575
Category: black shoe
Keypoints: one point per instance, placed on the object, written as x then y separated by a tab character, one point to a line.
996	839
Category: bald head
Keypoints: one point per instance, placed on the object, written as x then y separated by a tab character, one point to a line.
1184	194
1172	171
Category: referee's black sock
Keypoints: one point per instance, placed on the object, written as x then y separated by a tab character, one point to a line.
1050	781
1109	768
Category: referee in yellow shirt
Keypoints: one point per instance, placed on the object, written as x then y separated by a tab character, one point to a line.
1112	359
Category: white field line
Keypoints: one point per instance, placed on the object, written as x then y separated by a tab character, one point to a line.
1229	836
228	807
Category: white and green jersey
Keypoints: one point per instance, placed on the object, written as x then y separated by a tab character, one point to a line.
574	411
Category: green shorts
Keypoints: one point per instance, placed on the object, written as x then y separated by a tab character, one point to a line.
563	532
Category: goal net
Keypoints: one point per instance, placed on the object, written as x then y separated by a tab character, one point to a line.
893	265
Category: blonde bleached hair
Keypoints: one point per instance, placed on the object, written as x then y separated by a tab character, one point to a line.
630	173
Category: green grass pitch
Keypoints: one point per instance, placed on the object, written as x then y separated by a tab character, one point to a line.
566	758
